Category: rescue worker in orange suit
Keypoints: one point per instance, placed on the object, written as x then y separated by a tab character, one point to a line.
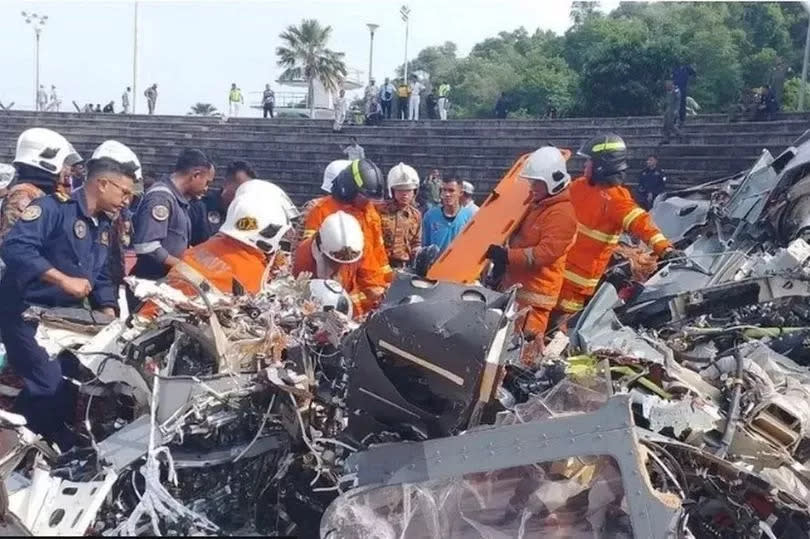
335	252
605	209
401	220
238	258
353	190
536	253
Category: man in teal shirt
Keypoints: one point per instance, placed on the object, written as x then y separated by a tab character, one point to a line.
442	224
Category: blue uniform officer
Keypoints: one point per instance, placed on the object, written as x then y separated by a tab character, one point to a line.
208	213
162	224
56	255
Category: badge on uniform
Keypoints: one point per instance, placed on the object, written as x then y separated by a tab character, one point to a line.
214	217
31	213
105	238
247	223
160	212
80	229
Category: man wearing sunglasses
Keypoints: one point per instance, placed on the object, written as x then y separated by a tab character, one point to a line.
56	256
162	224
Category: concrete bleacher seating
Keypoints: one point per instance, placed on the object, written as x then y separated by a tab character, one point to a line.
294	152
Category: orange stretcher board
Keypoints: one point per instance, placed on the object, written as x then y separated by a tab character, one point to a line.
496	220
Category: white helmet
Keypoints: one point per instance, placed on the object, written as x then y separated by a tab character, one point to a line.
340	238
333	169
43	149
548	166
402	176
330	295
290	209
257	216
467	188
121	154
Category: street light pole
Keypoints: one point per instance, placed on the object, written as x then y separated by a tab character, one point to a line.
405	13
371	28
135	60
37	22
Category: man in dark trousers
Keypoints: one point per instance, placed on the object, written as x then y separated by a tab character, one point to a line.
680	75
501	107
651	183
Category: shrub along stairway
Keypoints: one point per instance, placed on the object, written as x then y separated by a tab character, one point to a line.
294	152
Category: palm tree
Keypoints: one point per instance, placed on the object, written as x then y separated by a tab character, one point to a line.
304	56
203	109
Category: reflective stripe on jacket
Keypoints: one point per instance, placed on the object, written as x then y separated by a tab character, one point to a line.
604	212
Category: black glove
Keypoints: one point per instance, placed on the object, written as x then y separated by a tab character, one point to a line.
424	258
672	254
498	255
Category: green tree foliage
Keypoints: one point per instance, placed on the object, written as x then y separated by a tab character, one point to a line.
616	63
203	109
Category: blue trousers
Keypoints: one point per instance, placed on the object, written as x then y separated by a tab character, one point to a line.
46	400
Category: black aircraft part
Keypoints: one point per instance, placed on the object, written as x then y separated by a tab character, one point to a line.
420	363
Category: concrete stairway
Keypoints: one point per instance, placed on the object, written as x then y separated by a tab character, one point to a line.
293	152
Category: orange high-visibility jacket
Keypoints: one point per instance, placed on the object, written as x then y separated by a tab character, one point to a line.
346	275
604	212
374	271
537	253
223	263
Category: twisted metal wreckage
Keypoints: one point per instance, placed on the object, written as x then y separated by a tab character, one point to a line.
680	408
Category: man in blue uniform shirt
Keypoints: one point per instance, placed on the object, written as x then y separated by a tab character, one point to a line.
56	256
162	224
442	224
208	213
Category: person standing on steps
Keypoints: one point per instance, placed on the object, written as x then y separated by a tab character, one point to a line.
444	92
151	94
387	97
671	103
680	76
42	98
402	99
268	101
125	100
340	111
415	89
235	100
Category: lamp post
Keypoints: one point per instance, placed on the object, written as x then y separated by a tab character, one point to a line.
37	22
371	28
405	14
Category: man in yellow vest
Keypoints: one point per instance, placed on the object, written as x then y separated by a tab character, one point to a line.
235	100
444	91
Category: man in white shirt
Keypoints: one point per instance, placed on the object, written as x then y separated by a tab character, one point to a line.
125	100
467	192
354	151
387	93
415	88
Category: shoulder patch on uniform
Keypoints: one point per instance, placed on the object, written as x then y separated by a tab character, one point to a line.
214	217
31	213
105	238
61	197
160	212
247	223
80	229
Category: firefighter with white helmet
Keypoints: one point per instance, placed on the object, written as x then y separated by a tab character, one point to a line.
40	159
335	252
535	255
401	219
56	256
238	258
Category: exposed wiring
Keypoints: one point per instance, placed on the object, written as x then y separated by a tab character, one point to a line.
259	431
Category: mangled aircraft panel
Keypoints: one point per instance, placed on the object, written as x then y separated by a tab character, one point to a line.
507	481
